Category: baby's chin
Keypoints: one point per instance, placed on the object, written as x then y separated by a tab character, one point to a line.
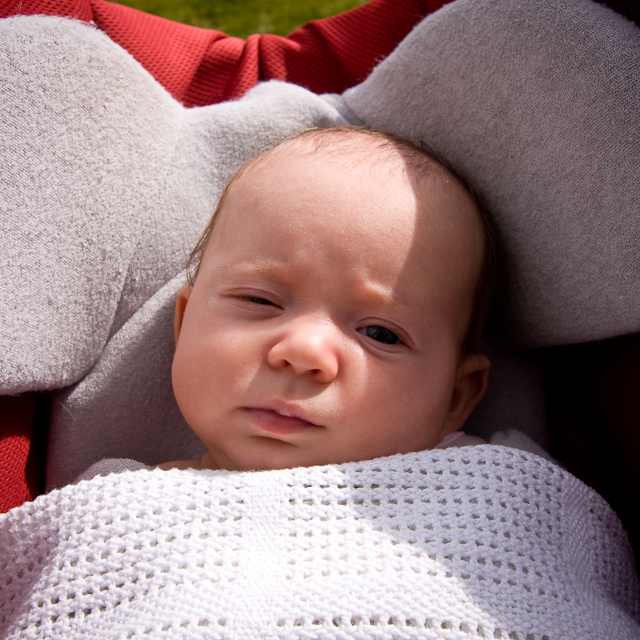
208	462
274	463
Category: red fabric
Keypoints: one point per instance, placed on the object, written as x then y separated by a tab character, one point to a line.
16	474
202	66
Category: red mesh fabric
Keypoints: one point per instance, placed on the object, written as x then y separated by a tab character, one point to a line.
16	481
170	51
229	68
333	54
201	66
79	9
326	56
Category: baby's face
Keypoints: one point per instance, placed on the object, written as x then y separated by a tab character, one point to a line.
326	321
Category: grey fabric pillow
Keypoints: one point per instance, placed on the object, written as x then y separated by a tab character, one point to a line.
538	104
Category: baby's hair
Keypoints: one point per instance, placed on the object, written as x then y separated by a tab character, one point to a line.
419	160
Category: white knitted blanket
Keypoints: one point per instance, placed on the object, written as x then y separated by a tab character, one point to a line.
475	542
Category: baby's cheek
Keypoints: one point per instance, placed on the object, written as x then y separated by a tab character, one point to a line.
423	402
184	386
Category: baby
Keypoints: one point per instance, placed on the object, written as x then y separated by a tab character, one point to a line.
335	307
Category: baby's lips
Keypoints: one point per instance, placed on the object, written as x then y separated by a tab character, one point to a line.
286	410
281	418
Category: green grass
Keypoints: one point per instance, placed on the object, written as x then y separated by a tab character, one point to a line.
243	17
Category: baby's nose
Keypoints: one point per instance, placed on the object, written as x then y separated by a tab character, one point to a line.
309	346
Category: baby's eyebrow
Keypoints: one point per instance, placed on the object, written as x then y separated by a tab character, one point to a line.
374	295
255	267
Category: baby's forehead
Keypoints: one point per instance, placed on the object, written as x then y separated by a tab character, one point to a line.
370	155
390	167
377	168
367	155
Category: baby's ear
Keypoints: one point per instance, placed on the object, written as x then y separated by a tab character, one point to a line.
182	297
471	383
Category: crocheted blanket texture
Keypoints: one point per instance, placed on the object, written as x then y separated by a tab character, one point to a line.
475	542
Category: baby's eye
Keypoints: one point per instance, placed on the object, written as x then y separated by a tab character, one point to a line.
258	300
380	334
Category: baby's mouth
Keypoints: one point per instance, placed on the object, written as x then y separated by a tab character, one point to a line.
280	419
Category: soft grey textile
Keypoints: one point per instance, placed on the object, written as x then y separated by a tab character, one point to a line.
538	104
515	398
515	439
106	183
124	407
